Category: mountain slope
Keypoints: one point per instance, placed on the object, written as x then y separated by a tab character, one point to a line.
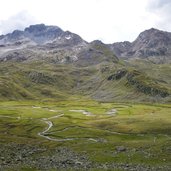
105	81
45	62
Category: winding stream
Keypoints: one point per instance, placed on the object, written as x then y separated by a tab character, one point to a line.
44	133
50	125
84	112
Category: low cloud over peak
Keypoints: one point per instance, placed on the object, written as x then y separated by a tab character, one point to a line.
17	22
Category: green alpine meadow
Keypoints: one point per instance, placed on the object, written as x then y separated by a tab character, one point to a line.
69	104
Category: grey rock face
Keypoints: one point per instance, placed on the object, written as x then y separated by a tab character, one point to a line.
149	43
40	34
52	44
121	48
40	42
35	28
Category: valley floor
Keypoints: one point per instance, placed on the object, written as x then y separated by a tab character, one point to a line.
84	135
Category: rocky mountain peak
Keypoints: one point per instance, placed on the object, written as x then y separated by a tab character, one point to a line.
149	43
42	28
15	35
35	28
38	34
155	36
41	33
41	41
97	42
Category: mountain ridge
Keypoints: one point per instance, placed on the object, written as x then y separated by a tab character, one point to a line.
45	62
149	43
39	34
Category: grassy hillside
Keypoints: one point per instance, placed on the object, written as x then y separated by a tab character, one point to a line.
104	82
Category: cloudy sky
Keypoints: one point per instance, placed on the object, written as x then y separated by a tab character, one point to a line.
107	20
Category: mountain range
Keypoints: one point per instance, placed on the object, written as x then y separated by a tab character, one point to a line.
45	62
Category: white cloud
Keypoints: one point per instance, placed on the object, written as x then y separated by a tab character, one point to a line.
18	21
161	8
110	20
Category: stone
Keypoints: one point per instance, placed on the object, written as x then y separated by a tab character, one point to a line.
120	149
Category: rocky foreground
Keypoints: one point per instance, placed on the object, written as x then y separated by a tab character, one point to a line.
19	156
